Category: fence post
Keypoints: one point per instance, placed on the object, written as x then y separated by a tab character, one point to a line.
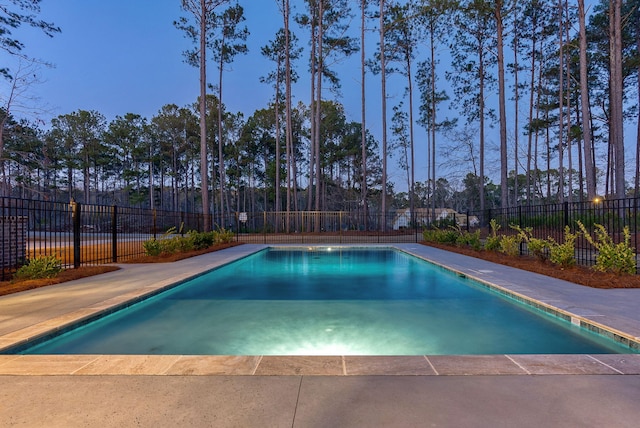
635	228
520	216
566	214
468	221
114	234
76	209
155	223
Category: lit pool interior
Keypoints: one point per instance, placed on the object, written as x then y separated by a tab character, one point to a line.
328	301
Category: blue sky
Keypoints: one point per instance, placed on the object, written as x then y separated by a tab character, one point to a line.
121	56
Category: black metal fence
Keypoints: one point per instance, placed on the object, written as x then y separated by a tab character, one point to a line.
305	227
550	221
83	234
80	234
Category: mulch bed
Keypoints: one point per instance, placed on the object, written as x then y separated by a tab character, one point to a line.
9	287
577	274
168	258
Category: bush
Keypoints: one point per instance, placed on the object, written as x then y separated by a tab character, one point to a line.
441	236
617	258
40	267
492	243
170	245
167	244
201	240
193	240
563	254
470	240
222	236
185	244
431	235
152	247
510	245
537	247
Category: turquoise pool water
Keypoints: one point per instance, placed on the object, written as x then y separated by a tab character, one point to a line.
328	302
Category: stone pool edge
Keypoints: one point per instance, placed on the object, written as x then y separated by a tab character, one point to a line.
629	341
214	365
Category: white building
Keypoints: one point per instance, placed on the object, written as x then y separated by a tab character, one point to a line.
423	217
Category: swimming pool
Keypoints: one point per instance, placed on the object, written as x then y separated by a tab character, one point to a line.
321	301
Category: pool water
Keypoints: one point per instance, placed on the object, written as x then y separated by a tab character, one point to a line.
322	301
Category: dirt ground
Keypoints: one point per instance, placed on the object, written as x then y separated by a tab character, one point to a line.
578	274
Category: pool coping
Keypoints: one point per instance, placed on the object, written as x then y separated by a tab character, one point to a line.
181	365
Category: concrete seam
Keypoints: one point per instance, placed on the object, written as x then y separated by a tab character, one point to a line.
519	365
605	364
295	409
431	365
255	369
90	362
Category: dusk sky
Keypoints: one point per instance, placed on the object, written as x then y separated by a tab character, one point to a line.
122	56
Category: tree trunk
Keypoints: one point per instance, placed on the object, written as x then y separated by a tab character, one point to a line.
363	128
312	117
150	170
383	77
516	113
432	125
504	169
568	92
318	112
87	178
615	97
481	118
532	92
637	181
580	158
589	164
561	104
288	110
221	177
411	145
204	182
278	205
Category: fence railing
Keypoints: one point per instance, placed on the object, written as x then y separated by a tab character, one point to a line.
550	220
80	234
83	234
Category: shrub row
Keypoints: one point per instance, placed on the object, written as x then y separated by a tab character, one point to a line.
618	258
171	243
